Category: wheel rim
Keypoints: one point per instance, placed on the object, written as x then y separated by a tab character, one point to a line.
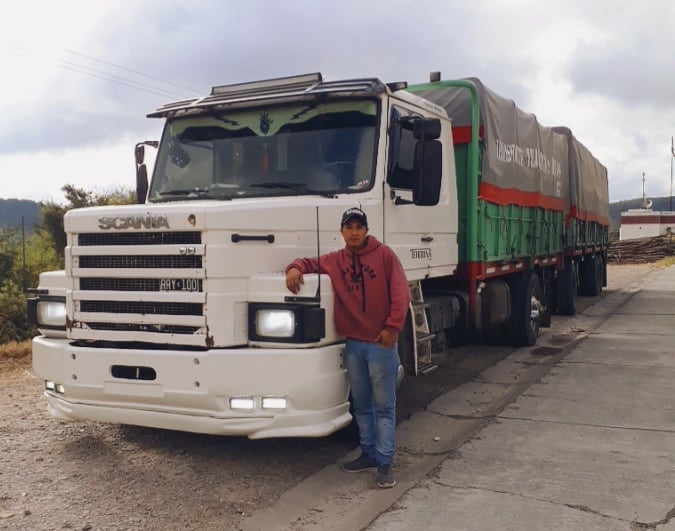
537	309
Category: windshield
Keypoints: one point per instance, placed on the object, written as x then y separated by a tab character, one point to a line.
322	149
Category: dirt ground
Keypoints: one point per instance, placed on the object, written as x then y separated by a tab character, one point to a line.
58	475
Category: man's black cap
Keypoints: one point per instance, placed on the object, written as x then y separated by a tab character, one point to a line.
354	213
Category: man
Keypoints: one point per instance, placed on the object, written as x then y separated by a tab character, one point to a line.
371	302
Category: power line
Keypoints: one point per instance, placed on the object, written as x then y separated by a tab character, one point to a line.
69	65
112	77
116	79
133	71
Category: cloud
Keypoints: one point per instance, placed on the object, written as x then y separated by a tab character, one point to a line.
84	74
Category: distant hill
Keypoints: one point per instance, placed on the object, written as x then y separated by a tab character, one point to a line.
11	211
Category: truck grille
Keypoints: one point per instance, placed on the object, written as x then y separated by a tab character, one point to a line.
162	329
144	308
126	284
168	270
141	262
139	238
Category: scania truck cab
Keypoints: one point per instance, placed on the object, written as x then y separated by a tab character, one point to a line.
174	314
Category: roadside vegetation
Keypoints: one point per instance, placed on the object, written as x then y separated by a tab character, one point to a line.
667	261
23	259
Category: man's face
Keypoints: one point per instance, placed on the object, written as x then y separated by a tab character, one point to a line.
354	234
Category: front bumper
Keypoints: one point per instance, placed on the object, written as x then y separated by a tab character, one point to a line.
191	390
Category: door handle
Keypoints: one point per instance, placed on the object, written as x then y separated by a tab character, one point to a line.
427	239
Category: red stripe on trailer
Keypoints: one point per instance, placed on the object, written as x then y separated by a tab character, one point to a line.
478	271
513	196
462	135
584	215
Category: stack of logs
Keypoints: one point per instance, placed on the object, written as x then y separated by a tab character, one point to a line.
641	250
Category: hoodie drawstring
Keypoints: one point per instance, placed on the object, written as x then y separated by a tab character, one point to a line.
357	276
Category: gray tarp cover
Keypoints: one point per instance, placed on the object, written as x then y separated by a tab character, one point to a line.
589	194
525	162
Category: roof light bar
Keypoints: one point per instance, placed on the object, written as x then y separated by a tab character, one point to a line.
291	82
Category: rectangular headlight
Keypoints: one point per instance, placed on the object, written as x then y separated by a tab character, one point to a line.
52	313
274	322
287	322
49	312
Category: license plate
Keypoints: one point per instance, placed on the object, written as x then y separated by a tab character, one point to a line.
180	284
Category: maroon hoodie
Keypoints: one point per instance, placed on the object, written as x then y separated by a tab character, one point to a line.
371	291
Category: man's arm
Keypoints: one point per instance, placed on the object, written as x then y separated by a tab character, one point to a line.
387	337
296	269
294	279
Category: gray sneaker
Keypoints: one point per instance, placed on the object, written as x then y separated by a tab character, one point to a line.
363	463
385	477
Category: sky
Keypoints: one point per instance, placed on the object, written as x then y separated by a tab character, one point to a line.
79	77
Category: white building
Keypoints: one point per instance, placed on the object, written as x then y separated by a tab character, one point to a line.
645	223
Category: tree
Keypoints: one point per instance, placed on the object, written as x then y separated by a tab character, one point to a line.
13	323
22	262
51	213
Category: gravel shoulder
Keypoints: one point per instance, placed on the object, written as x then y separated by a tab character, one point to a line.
58	475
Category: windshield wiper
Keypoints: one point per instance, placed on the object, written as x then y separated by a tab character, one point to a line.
297	187
195	192
185	191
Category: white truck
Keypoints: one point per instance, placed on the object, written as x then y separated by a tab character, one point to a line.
173	313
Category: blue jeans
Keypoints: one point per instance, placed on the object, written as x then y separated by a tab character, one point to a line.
372	373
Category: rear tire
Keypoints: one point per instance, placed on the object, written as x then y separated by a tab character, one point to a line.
527	308
566	289
549	298
592	276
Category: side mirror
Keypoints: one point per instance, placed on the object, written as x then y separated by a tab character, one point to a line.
427	129
139	153
141	170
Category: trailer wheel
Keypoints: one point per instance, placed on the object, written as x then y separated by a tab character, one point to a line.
593	276
549	298
527	308
567	289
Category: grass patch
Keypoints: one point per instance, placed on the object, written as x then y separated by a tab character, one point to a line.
666	262
16	350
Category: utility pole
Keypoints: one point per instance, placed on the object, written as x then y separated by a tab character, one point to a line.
643	190
23	248
672	156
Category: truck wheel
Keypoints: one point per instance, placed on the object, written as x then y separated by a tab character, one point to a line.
592	276
527	309
567	289
549	297
599	273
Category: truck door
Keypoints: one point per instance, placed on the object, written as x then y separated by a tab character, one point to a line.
423	237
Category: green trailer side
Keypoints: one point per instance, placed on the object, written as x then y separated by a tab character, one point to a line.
498	225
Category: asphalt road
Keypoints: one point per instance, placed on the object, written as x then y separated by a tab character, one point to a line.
55	474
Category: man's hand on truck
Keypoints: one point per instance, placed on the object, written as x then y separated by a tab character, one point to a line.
294	279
